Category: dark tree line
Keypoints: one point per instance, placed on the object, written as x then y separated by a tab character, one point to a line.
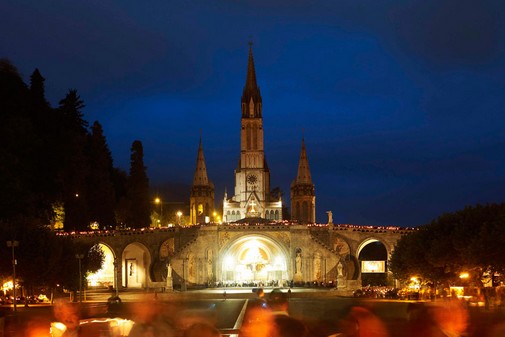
57	170
470	241
57	173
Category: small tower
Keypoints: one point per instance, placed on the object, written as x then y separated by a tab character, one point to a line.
201	198
303	197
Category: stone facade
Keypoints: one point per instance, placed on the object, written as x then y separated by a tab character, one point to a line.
210	255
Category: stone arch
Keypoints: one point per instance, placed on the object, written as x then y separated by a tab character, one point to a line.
104	277
136	261
368	241
254	258
373	271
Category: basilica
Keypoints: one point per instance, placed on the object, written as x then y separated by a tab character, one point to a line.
252	198
253	244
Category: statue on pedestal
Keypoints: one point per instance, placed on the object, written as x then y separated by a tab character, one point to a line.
341	282
170	285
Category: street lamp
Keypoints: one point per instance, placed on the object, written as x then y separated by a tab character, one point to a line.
115	277
158	201
13	244
179	214
80	257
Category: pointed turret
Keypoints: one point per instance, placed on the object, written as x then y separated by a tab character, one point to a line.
303	176
202	192
251	96
200	178
303	197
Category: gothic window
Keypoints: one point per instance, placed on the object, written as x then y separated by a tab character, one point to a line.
255	137
277	215
297	211
248	136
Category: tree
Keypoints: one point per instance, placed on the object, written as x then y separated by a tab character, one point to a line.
471	240
74	162
101	193
138	189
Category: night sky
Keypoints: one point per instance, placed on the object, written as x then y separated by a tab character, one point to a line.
401	102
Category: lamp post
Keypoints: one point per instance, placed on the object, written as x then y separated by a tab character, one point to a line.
13	244
115	278
80	257
158	201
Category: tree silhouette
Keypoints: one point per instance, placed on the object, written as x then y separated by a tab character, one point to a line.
138	189
101	195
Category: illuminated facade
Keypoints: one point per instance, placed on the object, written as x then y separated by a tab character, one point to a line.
252	197
252	246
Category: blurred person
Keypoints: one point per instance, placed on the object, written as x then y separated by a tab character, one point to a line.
258	322
361	322
283	324
447	319
201	330
149	321
69	315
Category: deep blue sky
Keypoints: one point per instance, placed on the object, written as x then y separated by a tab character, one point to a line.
401	102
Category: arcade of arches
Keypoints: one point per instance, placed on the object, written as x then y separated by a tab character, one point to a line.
245	254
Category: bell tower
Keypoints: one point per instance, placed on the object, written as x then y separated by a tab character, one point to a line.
252	176
303	197
201	198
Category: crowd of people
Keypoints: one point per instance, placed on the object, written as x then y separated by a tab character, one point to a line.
267	315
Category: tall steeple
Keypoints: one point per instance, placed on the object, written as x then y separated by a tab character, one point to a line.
251	96
303	176
200	178
251	198
201	198
303	197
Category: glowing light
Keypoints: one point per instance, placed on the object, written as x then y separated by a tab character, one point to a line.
464	275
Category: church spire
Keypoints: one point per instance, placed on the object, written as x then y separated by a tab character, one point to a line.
251	93
201	198
303	176
200	178
303	197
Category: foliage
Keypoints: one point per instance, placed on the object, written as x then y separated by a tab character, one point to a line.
471	240
138	202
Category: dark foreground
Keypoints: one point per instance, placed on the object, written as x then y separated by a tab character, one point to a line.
322	314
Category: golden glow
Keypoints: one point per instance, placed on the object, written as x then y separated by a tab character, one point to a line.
105	276
179	214
157	200
464	275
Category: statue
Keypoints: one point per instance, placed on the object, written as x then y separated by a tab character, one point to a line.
169	271
340	269
330	217
169	282
298	261
341	282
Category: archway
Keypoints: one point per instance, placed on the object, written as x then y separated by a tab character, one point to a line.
103	278
136	261
254	260
372	256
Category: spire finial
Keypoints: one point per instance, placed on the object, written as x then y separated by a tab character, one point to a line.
250	42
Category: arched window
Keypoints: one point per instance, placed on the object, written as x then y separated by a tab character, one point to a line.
277	215
248	136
